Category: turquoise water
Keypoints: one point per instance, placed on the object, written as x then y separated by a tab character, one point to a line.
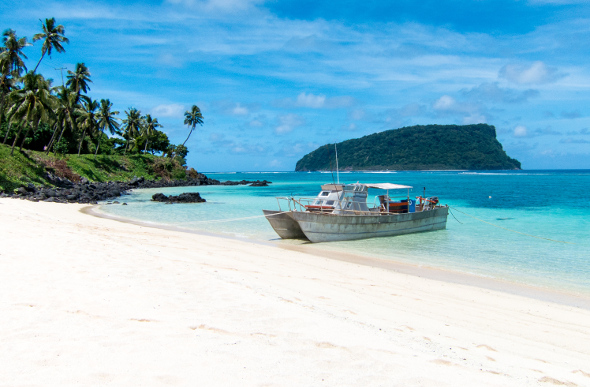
543	204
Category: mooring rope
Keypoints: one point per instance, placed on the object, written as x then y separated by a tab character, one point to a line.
454	216
507	229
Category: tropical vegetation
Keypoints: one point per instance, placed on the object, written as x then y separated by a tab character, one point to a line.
430	147
36	115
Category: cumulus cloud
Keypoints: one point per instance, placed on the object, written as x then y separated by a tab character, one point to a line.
520	131
445	103
171	110
240	110
535	73
230	108
244	148
288	122
310	100
316	101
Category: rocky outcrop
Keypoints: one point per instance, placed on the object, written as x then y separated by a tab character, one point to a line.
257	183
187	197
87	192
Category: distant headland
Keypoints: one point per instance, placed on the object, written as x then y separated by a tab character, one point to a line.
429	147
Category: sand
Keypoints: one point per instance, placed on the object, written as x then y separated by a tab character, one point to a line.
97	302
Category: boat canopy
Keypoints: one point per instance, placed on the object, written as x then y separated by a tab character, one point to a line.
388	186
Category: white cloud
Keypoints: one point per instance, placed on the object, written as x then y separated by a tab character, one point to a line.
256	123
536	73
288	122
275	163
240	110
217	5
520	131
357	114
474	118
170	60
310	100
446	102
171	110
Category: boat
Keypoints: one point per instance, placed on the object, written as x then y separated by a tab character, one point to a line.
341	212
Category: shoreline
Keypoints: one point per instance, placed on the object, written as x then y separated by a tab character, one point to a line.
88	300
560	296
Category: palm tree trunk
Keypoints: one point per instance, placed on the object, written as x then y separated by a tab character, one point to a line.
15	139
189	134
25	137
59	139
97	146
35	127
7	132
38	63
1	117
145	148
48	147
81	141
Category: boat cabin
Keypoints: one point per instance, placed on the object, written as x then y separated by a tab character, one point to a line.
352	198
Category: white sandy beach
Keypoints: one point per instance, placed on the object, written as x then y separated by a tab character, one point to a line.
97	302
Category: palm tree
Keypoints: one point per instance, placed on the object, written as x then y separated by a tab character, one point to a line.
132	126
150	127
78	80
11	66
65	113
106	120
53	37
87	119
192	118
32	104
12	54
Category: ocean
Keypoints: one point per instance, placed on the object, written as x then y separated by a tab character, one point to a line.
525	227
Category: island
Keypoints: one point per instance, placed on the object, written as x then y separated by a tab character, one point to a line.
420	147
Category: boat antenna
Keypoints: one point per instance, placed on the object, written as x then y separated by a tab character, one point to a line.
337	174
332	171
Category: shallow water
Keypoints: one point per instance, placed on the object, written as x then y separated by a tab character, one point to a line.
490	214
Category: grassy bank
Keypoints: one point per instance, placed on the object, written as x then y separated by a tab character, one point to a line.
31	167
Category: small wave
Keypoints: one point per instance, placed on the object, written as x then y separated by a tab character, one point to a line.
505	174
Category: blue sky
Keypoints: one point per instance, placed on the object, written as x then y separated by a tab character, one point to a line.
276	79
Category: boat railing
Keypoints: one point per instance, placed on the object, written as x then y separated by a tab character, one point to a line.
344	206
301	204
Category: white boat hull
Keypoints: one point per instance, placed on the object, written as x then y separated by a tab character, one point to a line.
319	227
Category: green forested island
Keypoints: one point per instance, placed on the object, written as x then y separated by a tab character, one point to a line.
429	147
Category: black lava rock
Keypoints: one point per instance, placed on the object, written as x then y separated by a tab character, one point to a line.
86	192
187	197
